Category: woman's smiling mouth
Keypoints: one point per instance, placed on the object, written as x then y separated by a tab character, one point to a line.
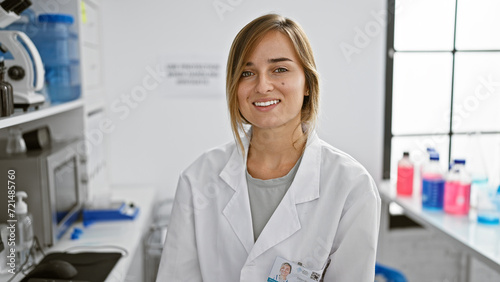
266	103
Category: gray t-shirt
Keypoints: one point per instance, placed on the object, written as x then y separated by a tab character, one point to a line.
265	196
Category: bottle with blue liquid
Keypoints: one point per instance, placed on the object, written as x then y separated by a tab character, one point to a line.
433	184
422	165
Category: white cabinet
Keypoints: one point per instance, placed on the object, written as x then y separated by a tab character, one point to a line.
82	118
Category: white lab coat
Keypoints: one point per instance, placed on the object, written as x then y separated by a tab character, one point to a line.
331	211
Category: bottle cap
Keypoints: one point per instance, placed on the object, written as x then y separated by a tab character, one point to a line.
430	149
434	156
406	154
21	206
459	161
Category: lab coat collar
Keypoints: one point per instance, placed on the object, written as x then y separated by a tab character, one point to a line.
309	172
285	220
236	166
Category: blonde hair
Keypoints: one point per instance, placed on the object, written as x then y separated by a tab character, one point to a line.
242	46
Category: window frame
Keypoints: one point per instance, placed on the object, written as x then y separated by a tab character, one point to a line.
389	72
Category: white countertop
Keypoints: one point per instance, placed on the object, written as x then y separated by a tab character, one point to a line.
126	234
480	240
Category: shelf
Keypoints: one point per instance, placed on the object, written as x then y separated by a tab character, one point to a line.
44	111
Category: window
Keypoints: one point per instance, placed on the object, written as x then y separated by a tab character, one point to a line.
443	84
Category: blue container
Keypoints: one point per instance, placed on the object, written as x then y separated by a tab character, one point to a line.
432	184
58	47
433	194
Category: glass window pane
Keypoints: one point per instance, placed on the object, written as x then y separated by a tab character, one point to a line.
481	154
478	25
417	147
476	99
421	93
424	25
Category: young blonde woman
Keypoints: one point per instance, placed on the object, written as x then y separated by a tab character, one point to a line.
277	192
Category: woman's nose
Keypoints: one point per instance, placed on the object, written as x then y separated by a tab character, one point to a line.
264	85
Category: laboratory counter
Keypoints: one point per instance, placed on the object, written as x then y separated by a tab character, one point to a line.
125	236
481	241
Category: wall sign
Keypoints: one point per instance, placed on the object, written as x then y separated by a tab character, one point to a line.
194	75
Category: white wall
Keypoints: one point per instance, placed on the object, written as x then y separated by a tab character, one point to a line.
154	139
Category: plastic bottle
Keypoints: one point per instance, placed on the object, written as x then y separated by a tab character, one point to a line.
6	93
488	205
429	150
15	141
432	184
24	231
404	185
457	189
58	47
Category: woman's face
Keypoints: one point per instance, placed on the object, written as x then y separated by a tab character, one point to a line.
271	89
285	270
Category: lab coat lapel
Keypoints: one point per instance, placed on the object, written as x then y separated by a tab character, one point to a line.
285	220
237	210
283	223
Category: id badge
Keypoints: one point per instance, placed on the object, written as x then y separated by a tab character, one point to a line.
287	271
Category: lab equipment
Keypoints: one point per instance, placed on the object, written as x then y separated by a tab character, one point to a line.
10	10
58	46
52	178
15	142
116	211
24	231
24	68
457	189
404	185
6	93
488	204
26	23
38	138
432	184
477	166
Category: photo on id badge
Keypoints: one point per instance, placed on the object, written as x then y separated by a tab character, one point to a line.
287	271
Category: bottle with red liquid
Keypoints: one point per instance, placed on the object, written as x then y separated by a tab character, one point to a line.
404	185
457	189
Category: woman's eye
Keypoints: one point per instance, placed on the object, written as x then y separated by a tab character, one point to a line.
280	70
246	74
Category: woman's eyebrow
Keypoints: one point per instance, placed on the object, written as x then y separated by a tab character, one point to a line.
277	60
271	61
